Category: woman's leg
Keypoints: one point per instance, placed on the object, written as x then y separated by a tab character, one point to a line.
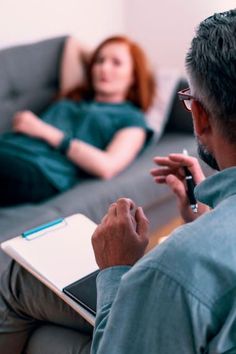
22	182
26	304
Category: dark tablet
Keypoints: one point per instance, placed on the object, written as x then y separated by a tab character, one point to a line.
84	292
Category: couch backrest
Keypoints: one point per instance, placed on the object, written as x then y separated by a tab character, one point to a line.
29	77
179	119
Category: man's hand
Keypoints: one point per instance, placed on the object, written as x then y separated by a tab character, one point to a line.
121	238
28	123
171	172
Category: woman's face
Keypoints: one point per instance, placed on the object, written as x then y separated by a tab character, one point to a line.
112	72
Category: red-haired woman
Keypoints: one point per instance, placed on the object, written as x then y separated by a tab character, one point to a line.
95	129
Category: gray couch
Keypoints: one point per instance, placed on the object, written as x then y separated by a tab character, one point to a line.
29	80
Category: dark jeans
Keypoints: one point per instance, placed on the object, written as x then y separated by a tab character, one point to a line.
22	182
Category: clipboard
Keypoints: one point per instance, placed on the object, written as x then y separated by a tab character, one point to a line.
61	256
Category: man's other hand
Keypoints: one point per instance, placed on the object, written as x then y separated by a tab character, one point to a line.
170	171
122	236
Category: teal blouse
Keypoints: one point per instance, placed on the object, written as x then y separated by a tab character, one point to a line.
95	123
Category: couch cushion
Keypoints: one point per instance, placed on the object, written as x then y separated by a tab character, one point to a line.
93	197
15	220
29	77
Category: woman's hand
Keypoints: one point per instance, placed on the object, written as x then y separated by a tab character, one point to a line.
121	238
26	122
171	172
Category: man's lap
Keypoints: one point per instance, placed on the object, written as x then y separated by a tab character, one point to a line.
49	339
27	306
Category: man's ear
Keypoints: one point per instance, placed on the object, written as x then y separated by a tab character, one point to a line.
202	124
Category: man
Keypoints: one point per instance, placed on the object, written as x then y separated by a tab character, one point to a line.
180	297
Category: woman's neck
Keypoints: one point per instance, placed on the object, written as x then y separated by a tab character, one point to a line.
99	97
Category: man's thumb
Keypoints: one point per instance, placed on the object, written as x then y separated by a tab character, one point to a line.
177	187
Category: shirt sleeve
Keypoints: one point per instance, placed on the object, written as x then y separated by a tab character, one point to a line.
133	117
145	311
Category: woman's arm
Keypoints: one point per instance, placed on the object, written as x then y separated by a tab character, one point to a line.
119	154
105	164
26	122
72	65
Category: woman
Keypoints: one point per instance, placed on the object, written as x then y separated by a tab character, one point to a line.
94	130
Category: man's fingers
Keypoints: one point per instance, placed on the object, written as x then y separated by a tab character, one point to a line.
177	187
176	161
112	209
142	223
160	179
160	172
165	161
191	163
104	219
123	206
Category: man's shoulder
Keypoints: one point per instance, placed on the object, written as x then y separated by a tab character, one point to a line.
197	259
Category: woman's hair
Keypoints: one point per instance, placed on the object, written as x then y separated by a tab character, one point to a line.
141	92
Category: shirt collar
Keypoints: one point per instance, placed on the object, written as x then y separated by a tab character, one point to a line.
216	188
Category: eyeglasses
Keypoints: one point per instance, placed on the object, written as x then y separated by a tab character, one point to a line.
185	98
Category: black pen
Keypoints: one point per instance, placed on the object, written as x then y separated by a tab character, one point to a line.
190	186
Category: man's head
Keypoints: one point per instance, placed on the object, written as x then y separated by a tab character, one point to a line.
211	66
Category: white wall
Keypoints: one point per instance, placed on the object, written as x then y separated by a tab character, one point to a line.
165	28
89	20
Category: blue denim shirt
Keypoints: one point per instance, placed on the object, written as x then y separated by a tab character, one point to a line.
181	297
